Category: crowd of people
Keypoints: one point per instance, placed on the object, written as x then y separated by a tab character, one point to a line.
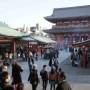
8	81
55	77
80	56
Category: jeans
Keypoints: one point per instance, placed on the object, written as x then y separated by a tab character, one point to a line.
44	84
52	85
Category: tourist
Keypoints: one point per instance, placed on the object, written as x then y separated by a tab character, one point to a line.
16	74
33	78
6	79
41	53
56	63
52	78
62	83
30	61
10	57
44	76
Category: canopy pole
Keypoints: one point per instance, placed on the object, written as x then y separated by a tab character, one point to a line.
14	49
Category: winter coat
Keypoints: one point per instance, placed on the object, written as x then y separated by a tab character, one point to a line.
33	77
16	74
59	86
66	86
53	76
44	75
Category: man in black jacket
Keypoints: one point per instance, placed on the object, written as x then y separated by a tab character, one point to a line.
33	78
44	76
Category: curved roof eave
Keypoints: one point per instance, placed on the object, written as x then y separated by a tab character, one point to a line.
68	30
86	42
51	19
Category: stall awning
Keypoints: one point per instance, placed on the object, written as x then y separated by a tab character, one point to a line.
7	31
11	32
86	42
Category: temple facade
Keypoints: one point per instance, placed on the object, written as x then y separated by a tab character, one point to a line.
71	25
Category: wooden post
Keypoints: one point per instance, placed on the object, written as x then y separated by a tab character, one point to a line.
28	48
14	49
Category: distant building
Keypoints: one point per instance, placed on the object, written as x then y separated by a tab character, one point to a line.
72	24
37	30
33	29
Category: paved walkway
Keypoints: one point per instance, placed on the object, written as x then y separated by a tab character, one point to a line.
79	78
75	74
63	55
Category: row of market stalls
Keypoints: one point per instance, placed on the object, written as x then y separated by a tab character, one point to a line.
12	40
8	39
83	43
38	42
83	52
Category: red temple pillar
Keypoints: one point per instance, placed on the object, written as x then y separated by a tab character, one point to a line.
60	40
14	49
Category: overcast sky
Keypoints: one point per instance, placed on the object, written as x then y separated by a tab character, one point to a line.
16	13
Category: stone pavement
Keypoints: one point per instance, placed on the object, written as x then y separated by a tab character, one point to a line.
75	74
79	78
63	55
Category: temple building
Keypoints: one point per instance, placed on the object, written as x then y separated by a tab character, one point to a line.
71	24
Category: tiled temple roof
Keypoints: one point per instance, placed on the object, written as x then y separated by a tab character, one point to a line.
67	30
69	13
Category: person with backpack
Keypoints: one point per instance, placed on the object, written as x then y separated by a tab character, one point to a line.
44	77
